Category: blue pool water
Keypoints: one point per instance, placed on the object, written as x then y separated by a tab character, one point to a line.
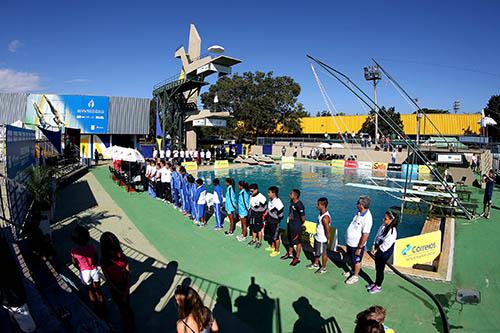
318	181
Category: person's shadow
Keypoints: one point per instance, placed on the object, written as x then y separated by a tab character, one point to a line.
256	309
310	319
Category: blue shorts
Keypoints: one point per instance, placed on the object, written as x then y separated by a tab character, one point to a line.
354	258
243	213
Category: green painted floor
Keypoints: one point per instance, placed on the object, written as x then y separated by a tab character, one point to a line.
209	254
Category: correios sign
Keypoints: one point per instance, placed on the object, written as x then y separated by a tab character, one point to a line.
421	249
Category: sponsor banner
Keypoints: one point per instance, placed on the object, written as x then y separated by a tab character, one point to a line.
54	112
450	158
421	249
379	166
221	164
351	164
365	165
394	167
423	169
337	163
190	166
287	159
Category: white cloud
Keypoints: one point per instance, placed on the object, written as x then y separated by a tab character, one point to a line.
14	81
14	45
78	80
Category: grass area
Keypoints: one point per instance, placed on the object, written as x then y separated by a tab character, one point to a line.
209	254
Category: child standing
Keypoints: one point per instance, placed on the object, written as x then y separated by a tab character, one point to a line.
258	206
243	206
201	201
84	257
218	200
230	205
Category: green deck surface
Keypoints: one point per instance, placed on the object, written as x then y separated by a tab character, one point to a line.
209	254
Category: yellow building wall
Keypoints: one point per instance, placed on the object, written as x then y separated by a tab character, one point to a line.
448	124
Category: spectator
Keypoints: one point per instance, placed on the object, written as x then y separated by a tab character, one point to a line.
194	317
116	270
208	156
357	236
258	206
202	157
168	154
383	248
84	257
295	151
182	155
394	155
296	219
283	151
96	157
372	320
321	237
489	179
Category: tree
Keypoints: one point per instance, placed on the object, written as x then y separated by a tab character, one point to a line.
433	111
259	103
492	110
384	129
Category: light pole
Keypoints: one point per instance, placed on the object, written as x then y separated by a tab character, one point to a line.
372	73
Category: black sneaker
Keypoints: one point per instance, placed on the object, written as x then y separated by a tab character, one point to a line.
252	242
258	245
286	256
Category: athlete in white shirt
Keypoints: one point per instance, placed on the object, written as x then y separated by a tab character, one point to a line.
258	206
274	215
356	237
168	154
321	237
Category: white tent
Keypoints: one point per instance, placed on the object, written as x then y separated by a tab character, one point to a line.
324	145
124	154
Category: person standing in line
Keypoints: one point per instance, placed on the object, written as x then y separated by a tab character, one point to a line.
162	154
168	154
164	181
243	207
195	156
184	191
489	179
152	179
201	202
218	201
208	156
191	185
202	157
194	317
158	181
283	151
274	215
296	218
175	185
176	156
85	259
295	151
181	155
230	205
383	249
356	237
258	206
155	153
321	237
116	270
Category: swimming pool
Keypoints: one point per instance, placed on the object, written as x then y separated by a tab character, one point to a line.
321	181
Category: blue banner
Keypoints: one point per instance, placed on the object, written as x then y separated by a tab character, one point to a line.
54	112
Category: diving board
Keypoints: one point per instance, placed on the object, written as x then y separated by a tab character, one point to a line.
413	181
401	190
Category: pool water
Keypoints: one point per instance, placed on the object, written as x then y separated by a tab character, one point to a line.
322	181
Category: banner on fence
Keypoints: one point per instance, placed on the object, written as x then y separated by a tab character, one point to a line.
351	164
394	167
190	166
379	166
221	164
365	165
337	163
423	169
421	249
287	159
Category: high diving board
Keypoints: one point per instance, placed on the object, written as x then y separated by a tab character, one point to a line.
413	181
401	190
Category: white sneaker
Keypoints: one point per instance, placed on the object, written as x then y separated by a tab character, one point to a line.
240	238
346	274
352	280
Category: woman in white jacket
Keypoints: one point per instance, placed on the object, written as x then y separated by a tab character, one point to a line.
383	247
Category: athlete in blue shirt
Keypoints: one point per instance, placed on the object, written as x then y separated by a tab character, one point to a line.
218	200
230	205
243	207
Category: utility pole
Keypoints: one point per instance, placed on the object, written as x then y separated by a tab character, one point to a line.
456	106
373	73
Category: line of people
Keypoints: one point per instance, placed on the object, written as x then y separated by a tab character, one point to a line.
260	218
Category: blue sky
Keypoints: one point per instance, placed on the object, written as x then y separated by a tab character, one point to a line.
440	51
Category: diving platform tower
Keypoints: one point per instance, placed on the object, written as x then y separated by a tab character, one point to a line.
177	97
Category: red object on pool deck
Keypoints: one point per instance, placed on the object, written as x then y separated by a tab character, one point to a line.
351	164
